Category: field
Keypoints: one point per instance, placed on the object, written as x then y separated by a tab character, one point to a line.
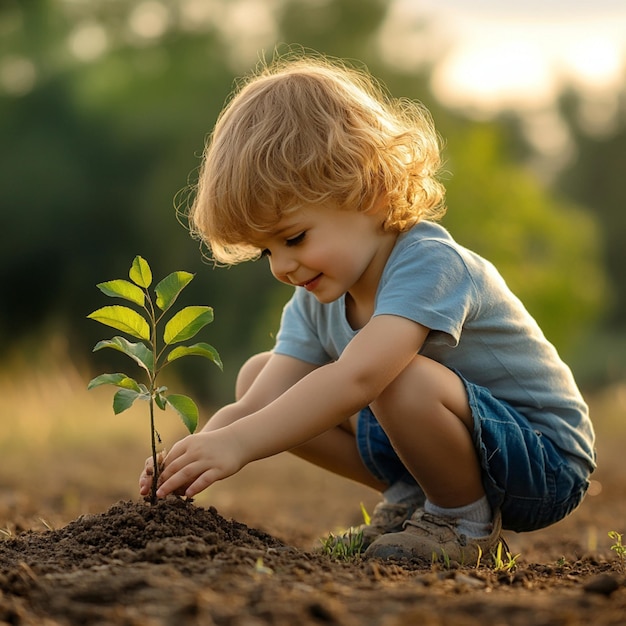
77	546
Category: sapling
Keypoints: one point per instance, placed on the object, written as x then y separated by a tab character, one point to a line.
152	353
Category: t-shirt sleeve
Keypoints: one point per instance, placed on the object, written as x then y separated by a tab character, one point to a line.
297	335
429	283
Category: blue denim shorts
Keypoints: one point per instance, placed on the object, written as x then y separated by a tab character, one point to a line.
524	475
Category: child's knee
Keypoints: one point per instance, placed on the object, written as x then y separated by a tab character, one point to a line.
426	385
420	379
249	371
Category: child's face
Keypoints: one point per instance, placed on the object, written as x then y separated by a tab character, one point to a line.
328	251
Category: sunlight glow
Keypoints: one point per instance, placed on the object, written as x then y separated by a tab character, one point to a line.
250	26
17	75
149	20
199	15
594	60
89	41
497	55
494	72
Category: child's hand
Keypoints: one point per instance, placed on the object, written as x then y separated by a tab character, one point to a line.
145	480
196	462
147	476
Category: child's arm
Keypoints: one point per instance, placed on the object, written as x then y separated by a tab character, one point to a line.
279	373
322	399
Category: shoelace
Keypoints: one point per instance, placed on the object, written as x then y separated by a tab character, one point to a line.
437	521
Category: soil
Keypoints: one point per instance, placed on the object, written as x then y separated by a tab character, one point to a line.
183	563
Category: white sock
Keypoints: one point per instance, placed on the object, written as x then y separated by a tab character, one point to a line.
404	493
473	520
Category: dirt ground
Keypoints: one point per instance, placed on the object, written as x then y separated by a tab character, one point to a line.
246	553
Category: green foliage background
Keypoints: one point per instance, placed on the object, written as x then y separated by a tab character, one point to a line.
93	153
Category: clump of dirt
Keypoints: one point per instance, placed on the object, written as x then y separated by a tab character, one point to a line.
178	564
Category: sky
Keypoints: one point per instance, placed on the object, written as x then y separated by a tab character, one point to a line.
490	54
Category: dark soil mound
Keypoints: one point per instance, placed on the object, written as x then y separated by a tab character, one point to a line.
132	531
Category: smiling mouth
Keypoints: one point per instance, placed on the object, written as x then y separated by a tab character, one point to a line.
311	284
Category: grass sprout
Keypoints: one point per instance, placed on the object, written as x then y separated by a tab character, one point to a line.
503	560
6	533
345	546
619	548
261	568
479	557
367	518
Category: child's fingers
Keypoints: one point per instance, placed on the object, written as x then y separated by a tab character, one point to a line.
147	475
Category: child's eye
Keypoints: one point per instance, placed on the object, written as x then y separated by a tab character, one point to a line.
294	241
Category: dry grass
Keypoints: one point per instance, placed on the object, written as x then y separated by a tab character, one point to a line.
45	402
64	443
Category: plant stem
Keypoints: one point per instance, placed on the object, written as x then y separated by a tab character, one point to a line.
153	376
155	465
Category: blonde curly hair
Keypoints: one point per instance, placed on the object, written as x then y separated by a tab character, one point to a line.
305	131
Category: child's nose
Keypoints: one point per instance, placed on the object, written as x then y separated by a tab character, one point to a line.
283	264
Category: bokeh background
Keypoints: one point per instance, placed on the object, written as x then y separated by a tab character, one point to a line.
105	106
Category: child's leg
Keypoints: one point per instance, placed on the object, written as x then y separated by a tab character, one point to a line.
426	415
334	450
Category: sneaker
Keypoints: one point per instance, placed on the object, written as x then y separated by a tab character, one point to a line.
429	537
385	518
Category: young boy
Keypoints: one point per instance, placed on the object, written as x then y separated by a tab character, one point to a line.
403	361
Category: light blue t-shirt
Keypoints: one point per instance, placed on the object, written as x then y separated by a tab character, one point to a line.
478	327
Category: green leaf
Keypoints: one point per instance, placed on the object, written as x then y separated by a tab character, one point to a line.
140	272
124	319
124	399
170	287
186	408
198	349
136	351
186	323
119	380
160	400
123	289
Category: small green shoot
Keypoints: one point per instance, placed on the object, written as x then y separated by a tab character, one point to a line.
345	546
261	568
479	557
619	548
445	558
508	563
367	518
153	352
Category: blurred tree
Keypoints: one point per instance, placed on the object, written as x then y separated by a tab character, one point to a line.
547	249
344	29
595	179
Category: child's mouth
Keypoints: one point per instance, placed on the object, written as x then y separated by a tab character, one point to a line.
310	285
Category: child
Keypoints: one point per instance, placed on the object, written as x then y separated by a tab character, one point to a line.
402	361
